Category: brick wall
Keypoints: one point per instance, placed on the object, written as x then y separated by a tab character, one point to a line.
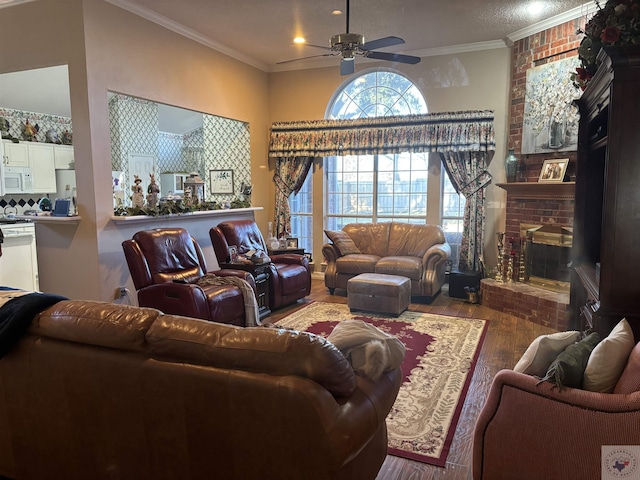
547	46
537	212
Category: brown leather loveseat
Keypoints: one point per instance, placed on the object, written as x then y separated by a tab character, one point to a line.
418	252
103	391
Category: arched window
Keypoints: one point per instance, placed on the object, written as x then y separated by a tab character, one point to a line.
380	188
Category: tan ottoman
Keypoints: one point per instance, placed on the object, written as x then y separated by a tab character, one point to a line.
377	292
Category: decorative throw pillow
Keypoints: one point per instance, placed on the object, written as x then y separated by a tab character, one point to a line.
342	241
567	370
608	359
543	350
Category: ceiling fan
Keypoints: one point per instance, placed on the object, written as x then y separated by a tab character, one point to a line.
349	45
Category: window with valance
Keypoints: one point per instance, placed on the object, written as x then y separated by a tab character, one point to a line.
465	141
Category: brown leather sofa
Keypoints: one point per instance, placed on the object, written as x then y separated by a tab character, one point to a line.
103	391
290	276
419	252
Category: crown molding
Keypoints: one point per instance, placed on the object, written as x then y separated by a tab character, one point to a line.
461	48
581	11
186	32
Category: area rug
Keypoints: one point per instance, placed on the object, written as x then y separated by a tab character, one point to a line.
441	356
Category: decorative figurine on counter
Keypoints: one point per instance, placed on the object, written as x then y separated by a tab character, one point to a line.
153	191
4	128
29	131
187	199
66	138
137	199
51	136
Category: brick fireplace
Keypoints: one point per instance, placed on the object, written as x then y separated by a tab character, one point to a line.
532	203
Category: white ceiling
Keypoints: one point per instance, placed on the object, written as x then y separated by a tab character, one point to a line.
260	32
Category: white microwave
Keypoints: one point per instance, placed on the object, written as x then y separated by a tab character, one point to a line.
17	180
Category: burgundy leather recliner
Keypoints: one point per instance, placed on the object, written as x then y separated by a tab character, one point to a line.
165	263
290	278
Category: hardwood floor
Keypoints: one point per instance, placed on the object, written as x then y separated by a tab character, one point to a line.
506	340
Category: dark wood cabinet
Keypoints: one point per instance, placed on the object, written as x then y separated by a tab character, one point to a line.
605	283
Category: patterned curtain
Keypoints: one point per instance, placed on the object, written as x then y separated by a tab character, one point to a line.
469	176
433	132
466	141
289	176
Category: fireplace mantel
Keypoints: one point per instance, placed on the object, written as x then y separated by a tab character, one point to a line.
540	191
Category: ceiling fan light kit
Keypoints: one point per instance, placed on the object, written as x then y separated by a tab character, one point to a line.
348	45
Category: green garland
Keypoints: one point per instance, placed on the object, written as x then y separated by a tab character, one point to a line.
172	207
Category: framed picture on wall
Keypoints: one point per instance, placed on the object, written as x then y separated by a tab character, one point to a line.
550	119
221	181
553	170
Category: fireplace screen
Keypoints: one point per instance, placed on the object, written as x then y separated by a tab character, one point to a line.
548	256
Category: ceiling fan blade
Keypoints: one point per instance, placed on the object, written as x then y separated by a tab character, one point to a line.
316	46
393	57
381	43
307	58
347	67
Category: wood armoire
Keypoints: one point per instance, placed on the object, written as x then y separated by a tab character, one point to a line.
605	286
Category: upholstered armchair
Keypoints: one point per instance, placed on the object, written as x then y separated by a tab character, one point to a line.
290	276
530	431
166	263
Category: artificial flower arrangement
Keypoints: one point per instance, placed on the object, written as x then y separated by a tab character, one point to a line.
617	23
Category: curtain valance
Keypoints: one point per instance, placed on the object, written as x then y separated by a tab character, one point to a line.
432	132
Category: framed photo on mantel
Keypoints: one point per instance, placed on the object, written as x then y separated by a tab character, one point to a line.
221	181
553	170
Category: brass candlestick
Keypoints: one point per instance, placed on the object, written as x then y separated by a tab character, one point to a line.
510	269
500	266
521	261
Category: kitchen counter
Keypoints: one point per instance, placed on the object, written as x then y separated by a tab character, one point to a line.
50	219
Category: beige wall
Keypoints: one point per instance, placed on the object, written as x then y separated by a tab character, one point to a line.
466	81
127	54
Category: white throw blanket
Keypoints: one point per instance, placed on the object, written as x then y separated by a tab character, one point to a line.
370	350
252	318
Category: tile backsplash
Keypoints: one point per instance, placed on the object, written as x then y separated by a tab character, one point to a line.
19	202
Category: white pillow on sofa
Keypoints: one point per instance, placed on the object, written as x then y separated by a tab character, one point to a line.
608	359
544	350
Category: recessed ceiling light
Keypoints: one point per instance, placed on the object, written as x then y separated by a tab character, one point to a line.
336	12
299	40
534	8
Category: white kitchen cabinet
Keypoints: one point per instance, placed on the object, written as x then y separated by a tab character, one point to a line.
63	155
15	154
43	169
